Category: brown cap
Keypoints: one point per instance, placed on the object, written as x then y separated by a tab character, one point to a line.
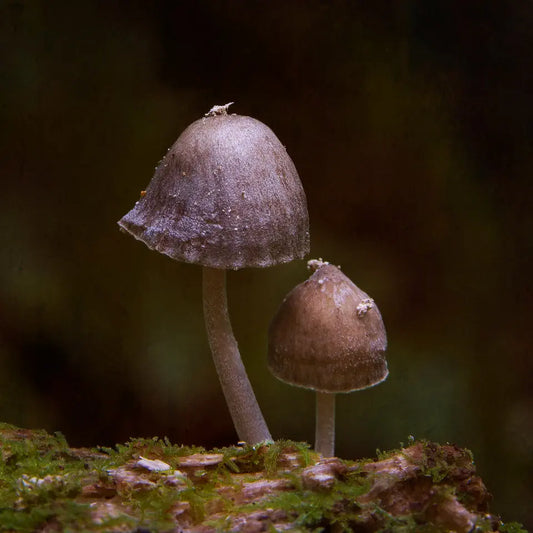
328	335
226	195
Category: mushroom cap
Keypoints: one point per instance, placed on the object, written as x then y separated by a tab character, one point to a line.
328	335
226	195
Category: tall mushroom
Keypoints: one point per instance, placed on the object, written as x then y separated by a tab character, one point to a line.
328	336
225	196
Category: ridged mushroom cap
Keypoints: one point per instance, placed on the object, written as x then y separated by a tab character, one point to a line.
226	195
328	335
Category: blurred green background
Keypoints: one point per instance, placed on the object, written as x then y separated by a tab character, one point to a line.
411	126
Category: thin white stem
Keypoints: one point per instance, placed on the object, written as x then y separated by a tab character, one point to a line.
325	424
240	398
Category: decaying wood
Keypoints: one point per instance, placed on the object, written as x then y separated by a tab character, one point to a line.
151	485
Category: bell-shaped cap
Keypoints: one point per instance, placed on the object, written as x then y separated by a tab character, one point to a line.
328	335
226	195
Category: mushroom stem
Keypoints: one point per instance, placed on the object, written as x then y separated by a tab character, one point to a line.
325	424
240	398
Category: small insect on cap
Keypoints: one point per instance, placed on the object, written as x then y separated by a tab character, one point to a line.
328	335
226	195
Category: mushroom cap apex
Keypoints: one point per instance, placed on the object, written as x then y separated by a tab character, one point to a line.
328	335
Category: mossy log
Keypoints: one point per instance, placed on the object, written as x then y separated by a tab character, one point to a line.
151	485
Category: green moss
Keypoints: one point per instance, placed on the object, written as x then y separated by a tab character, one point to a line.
398	524
316	510
264	457
39	476
44	455
153	508
41	482
154	447
512	527
441	463
71	515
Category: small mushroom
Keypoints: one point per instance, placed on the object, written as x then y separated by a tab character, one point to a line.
225	196
328	336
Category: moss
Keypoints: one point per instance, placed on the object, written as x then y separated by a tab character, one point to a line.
512	527
154	447
46	486
315	509
275	451
264	457
39	476
68	514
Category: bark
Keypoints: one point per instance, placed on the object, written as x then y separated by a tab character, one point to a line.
153	485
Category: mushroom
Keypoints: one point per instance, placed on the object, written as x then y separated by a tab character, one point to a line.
328	336
225	196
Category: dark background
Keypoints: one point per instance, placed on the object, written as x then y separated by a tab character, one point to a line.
410	124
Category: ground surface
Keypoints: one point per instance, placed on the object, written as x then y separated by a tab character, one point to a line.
151	485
